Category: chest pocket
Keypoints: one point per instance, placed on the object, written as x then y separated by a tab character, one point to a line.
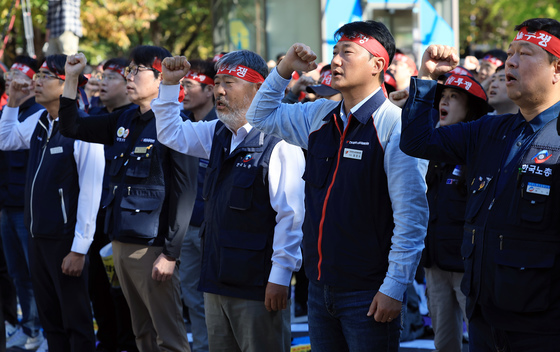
140	210
140	160
320	161
242	191
477	193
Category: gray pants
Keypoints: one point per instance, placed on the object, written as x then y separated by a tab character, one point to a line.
189	271
446	304
236	324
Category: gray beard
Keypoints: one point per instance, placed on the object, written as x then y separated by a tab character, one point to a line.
235	119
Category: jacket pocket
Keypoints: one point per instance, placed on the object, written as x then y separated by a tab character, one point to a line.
477	194
242	191
320	160
522	279
140	210
243	258
532	205
139	166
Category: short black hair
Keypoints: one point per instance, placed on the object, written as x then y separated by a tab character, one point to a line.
117	61
28	61
500	68
204	67
373	29
542	24
145	55
56	63
497	53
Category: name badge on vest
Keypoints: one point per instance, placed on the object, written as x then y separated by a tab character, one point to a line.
56	150
353	153
538	188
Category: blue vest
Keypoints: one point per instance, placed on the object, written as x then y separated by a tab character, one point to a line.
16	162
52	188
348	220
238	228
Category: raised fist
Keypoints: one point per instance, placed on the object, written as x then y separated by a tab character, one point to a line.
75	64
174	69
300	57
438	60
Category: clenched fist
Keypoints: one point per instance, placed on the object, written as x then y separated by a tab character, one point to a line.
174	69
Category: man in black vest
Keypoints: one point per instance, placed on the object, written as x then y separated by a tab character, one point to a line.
15	237
253	207
152	192
511	242
62	194
365	202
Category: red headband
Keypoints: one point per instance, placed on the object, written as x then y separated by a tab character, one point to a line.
467	84
157	64
407	60
217	57
116	68
541	38
493	60
199	78
243	72
370	44
460	70
23	68
44	65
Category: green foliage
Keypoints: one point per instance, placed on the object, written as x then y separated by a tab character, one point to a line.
113	28
489	23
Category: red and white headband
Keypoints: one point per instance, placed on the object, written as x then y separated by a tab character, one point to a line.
116	68
326	78
44	66
195	76
493	60
541	38
240	71
370	44
467	84
23	68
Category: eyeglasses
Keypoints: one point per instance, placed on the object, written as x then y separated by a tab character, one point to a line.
43	75
112	77
13	74
134	70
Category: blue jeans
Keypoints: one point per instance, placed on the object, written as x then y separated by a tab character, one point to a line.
338	322
15	239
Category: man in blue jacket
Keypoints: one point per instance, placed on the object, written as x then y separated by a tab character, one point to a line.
511	242
366	210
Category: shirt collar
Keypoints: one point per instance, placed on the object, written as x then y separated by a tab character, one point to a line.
541	119
364	109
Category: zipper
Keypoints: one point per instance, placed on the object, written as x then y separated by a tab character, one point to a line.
64	216
323	214
35	179
501	242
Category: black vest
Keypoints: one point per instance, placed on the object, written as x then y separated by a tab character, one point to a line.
52	188
511	244
16	162
136	206
238	228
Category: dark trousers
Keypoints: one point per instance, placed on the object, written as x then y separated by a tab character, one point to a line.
484	337
8	301
62	300
114	328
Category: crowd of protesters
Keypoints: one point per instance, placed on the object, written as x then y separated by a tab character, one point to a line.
212	183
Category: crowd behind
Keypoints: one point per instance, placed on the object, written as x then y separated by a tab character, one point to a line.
204	181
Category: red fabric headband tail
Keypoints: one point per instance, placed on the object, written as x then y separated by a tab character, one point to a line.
23	68
117	69
44	66
541	38
240	71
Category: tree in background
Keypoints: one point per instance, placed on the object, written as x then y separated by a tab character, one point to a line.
488	24
112	28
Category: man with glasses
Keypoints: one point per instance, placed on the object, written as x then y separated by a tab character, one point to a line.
14	234
62	194
152	192
109	305
198	105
